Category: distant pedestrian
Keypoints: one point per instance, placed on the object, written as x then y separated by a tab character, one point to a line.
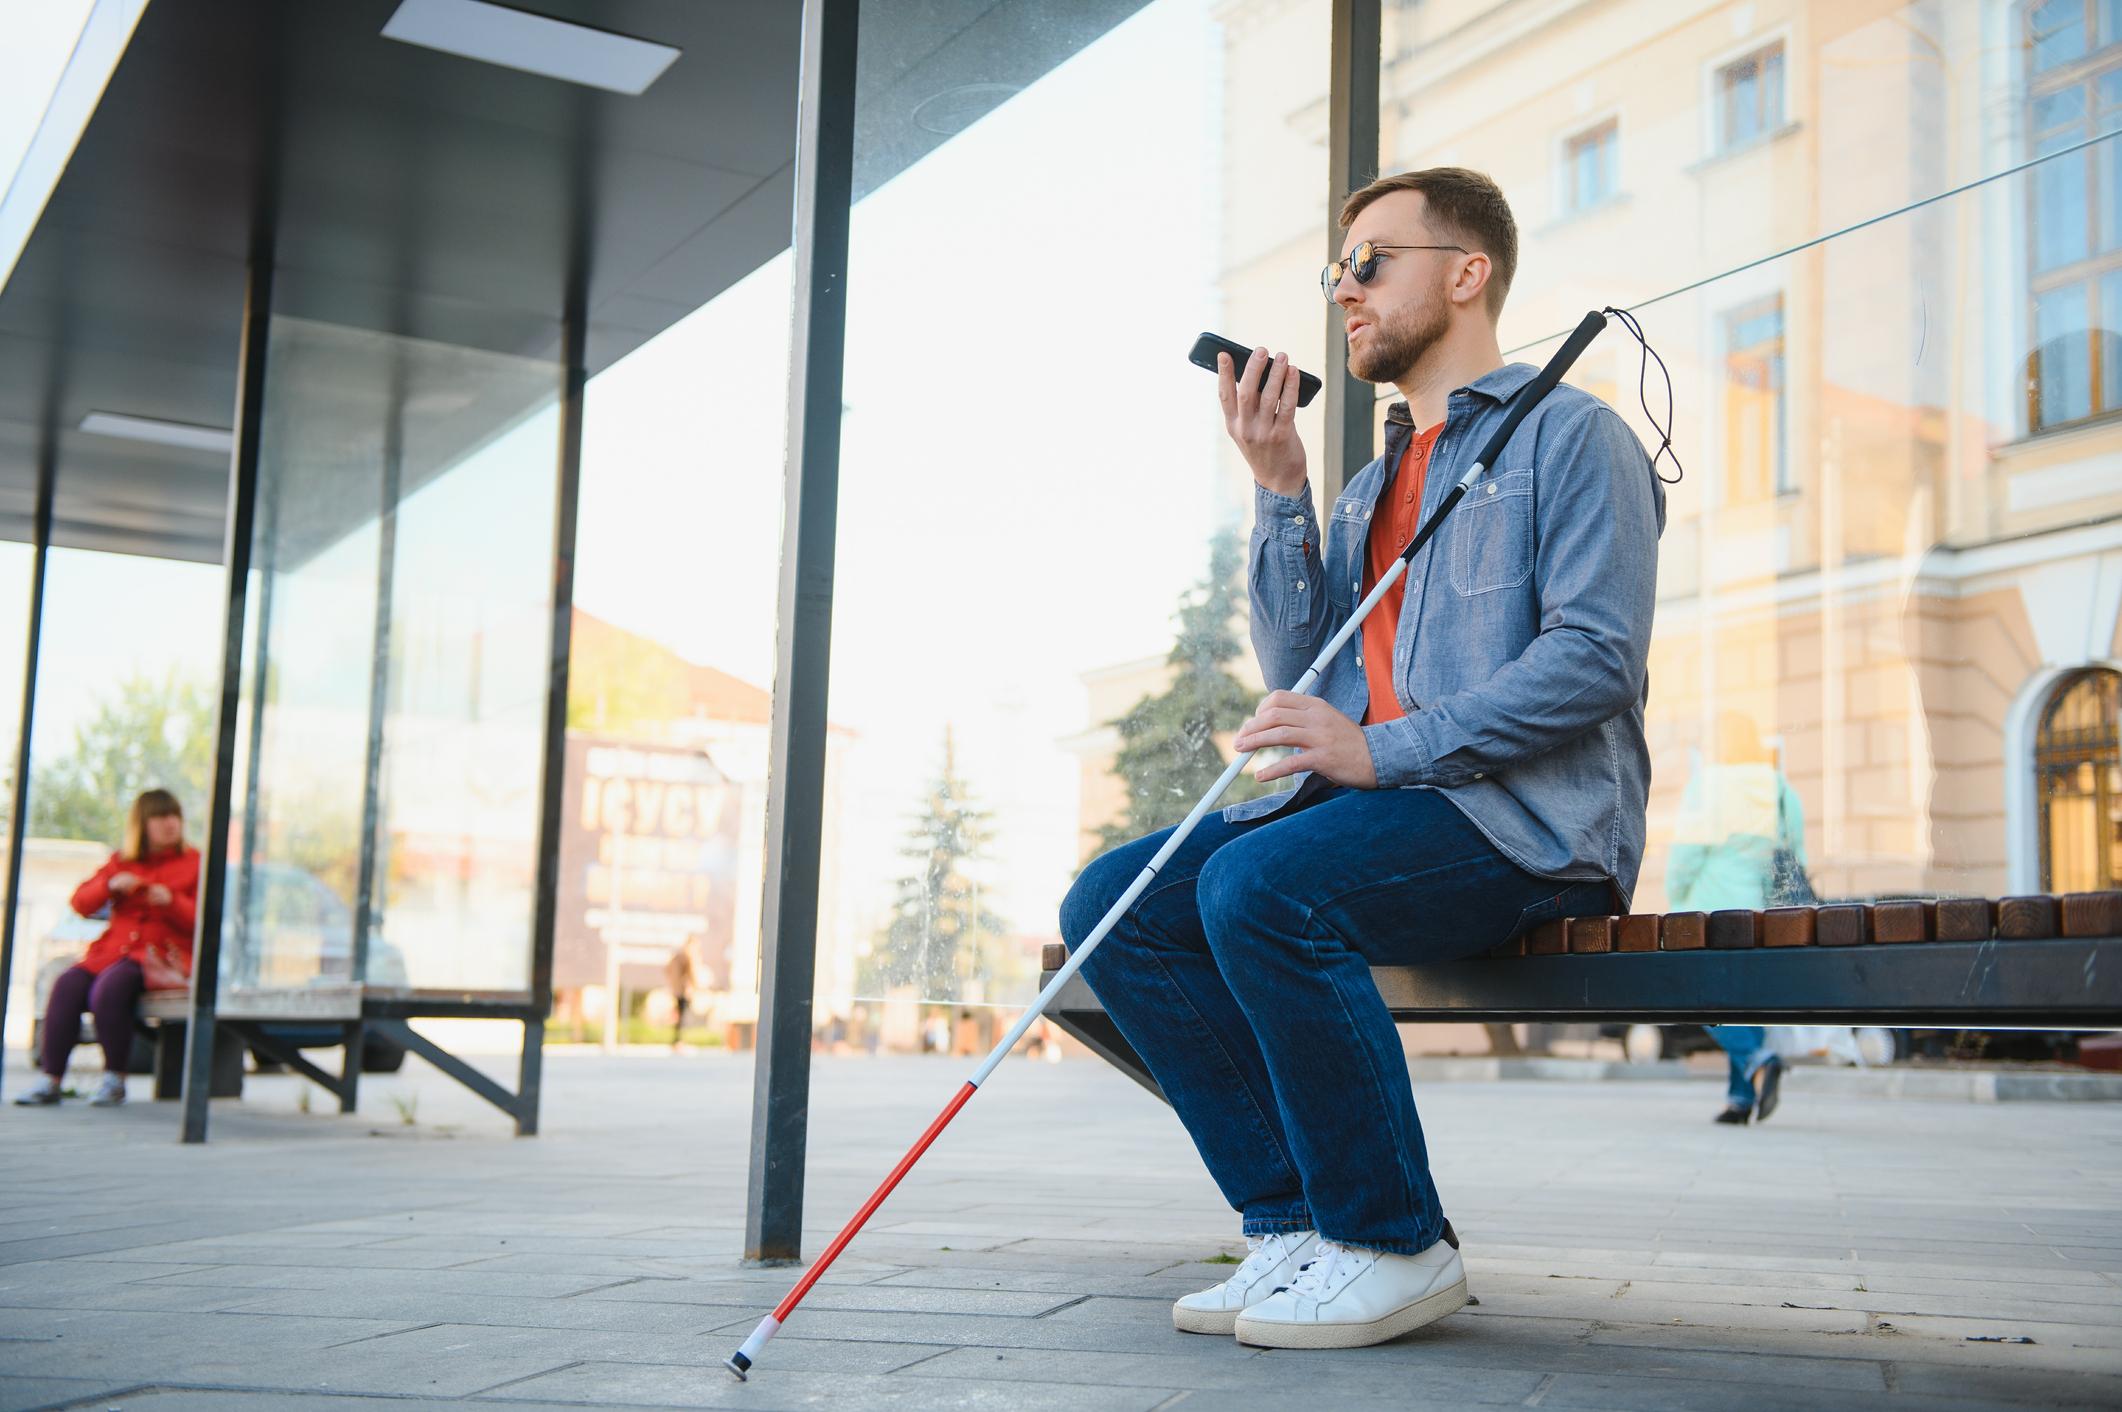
149	885
679	974
1740	844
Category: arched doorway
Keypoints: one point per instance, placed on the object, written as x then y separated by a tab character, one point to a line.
2078	783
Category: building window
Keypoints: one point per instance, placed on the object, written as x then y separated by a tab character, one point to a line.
2078	783
1749	97
1591	166
2074	211
1755	464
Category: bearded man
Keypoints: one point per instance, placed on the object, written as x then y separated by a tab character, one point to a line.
1474	767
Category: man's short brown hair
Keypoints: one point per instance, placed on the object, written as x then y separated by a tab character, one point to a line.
1463	205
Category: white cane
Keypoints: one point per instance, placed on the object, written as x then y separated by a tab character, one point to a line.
1526	398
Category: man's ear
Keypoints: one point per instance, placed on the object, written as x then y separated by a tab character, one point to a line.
1472	279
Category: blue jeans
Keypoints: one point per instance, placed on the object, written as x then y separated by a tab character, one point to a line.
1747	1045
1242	978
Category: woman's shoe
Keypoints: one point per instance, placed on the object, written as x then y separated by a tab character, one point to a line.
43	1094
1735	1115
1770	1081
110	1093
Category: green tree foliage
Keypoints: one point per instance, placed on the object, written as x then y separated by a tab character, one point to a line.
940	935
1168	752
146	734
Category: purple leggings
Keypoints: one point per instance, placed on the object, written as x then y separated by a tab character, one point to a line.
110	995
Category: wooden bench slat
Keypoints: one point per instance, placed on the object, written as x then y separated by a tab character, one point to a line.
2026	918
1637	932
1547	939
1903	921
1788	926
1966	918
1684	931
1734	929
1592	936
2092	914
1842	926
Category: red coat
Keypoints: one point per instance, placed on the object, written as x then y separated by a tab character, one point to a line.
136	923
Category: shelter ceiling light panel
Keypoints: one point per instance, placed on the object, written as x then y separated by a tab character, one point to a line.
535	44
185	434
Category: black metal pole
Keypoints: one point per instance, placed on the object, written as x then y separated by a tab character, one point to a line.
552	781
18	821
236	560
1352	143
365	906
795	796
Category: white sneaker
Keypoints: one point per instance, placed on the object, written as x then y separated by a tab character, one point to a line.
110	1093
1348	1298
1274	1261
41	1094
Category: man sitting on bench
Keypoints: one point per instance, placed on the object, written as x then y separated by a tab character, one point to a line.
1472	765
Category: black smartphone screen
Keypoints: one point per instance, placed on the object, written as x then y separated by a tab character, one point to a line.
1208	345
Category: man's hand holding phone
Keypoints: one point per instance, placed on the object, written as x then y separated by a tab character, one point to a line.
1262	419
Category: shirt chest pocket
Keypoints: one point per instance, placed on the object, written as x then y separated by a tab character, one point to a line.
1347	542
1492	534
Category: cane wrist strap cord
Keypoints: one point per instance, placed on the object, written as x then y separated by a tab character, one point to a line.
1664	431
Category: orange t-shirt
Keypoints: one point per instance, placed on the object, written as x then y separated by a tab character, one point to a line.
1392	524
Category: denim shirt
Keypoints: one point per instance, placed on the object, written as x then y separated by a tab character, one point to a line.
1520	653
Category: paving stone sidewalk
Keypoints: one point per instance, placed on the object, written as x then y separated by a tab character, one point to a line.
1856	1251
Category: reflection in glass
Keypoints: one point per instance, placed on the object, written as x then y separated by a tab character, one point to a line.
1033	476
400	606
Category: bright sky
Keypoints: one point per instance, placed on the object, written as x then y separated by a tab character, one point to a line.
1028	466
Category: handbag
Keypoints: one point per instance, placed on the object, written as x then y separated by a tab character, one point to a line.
1788	886
164	967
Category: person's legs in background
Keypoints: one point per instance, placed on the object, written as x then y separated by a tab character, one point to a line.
1747	1047
111	999
62	1031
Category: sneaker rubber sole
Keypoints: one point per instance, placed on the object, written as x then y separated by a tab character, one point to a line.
1262	1333
1771	1090
1204	1321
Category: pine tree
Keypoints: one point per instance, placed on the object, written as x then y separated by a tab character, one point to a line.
939	936
1168	753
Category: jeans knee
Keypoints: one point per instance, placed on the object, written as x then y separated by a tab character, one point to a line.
1095	890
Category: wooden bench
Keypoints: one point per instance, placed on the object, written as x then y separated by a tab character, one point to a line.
1953	963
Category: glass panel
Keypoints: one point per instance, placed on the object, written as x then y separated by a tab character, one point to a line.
665	697
125	699
1017	576
1840	639
469	659
459	447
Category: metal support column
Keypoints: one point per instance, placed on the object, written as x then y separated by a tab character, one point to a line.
795	800
236	562
1352	143
365	903
18	821
553	777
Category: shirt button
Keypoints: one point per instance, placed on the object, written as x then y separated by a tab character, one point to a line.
1366	513
1300	585
1491	491
1297	519
1477	774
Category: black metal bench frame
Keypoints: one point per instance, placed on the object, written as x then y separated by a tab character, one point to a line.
2060	983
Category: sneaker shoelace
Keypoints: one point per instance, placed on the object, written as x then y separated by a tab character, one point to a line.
1265	1252
1317	1277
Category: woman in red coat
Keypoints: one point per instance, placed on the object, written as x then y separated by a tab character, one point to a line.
150	885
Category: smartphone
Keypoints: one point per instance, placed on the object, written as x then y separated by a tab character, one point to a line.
1208	345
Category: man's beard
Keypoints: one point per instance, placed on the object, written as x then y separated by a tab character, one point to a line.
1395	349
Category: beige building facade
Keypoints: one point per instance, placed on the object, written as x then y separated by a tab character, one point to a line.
1879	246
